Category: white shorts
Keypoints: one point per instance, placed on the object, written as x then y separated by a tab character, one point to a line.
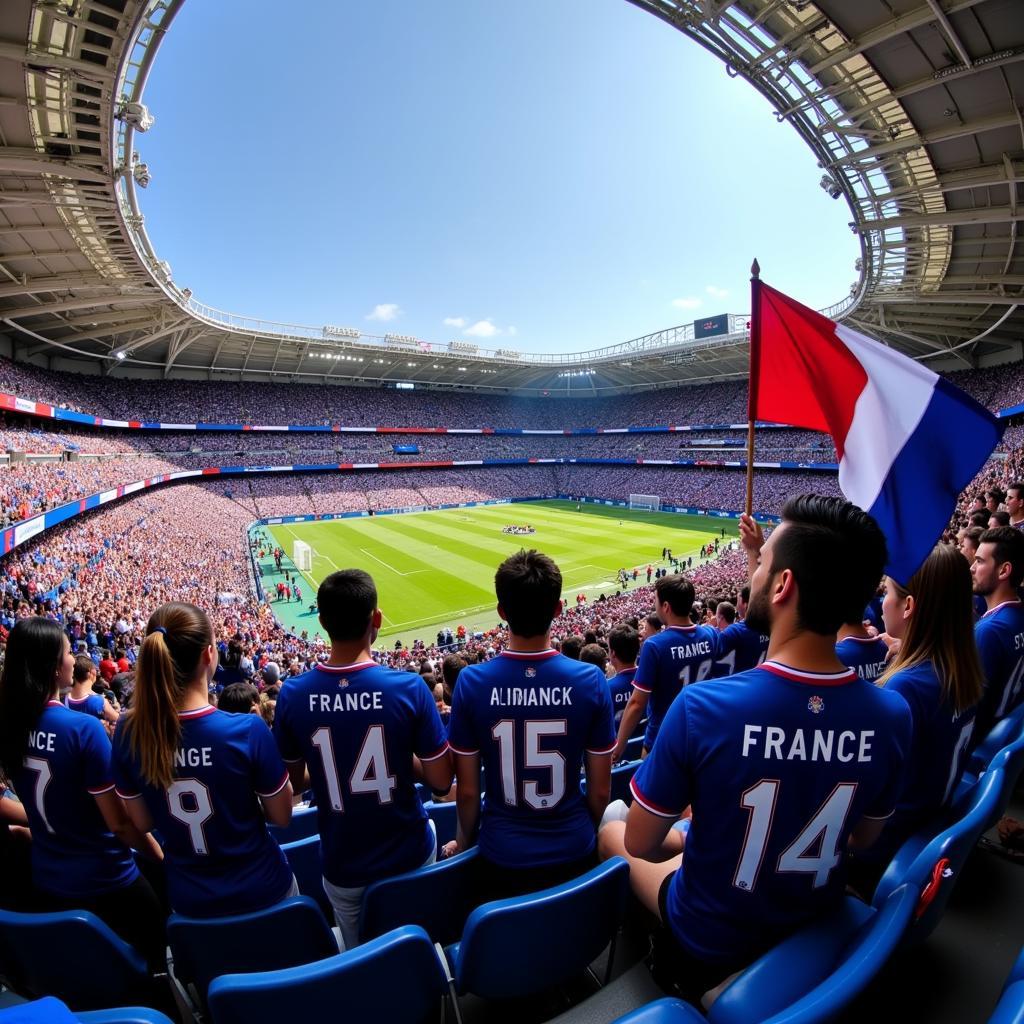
347	903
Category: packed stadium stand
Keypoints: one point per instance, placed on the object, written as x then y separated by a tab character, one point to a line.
143	433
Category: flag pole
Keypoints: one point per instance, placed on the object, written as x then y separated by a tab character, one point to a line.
755	359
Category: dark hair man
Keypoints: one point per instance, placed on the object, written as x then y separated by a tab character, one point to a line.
784	765
1015	505
533	717
624	645
681	654
364	731
998	569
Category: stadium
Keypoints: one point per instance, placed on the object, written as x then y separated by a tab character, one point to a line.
158	450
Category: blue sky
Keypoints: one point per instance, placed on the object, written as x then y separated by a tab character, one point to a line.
546	175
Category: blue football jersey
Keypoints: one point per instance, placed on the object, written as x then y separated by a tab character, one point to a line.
531	717
67	766
90	705
865	655
778	766
357	728
743	648
670	660
220	857
1000	638
937	756
620	686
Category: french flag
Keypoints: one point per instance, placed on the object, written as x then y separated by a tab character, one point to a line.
908	441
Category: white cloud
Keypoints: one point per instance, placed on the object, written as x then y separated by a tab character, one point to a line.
717	293
384	311
482	329
688	303
455	321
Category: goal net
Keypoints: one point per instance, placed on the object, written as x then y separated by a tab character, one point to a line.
302	556
645	502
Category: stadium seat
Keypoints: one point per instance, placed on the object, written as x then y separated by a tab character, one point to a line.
31	947
302	825
1001	735
622	775
287	934
932	859
634	748
663	1011
396	977
532	943
813	974
437	898
1010	1008
445	818
304	860
123	1015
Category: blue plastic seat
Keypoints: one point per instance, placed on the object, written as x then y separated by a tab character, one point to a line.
932	859
31	960
532	943
437	898
396	977
663	1011
812	975
303	824
622	775
1002	734
304	860
1010	1008
287	934
123	1015
445	818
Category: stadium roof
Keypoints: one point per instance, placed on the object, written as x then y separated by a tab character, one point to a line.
913	109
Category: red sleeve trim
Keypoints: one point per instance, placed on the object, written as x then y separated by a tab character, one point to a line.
648	805
283	783
436	755
293	760
100	790
603	750
641	687
459	750
126	796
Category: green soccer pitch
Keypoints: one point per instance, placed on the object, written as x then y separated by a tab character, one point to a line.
436	569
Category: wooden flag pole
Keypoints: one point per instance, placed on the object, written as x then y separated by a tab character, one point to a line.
755	358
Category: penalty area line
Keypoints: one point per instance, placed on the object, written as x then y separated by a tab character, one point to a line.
397	572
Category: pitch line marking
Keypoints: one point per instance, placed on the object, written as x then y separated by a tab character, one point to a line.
397	572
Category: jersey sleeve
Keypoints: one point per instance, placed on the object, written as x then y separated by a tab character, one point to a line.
901	737
646	668
729	638
94	748
462	736
989	651
126	780
269	775
602	735
284	733
429	739
661	784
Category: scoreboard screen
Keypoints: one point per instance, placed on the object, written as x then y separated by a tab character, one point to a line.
711	325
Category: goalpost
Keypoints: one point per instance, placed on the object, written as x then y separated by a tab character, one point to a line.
302	556
645	502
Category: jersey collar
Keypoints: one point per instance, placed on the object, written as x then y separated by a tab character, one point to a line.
684	629
860	639
810	678
1005	604
202	712
54	704
530	655
357	667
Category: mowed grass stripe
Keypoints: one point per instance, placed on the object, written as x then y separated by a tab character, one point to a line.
438	567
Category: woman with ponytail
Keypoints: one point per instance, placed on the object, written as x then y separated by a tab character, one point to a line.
937	672
209	780
58	763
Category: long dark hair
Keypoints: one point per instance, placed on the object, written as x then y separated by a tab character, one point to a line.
35	648
176	635
941	630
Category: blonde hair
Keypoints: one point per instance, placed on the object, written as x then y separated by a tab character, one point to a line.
176	636
941	628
